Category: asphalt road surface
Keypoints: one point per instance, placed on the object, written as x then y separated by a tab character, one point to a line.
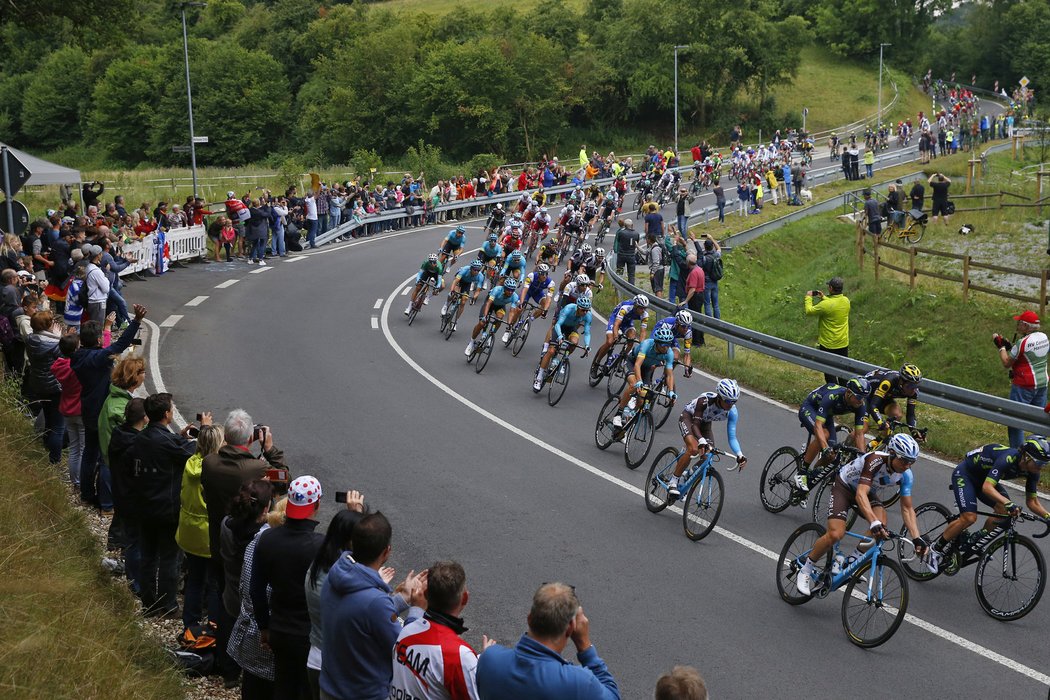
479	469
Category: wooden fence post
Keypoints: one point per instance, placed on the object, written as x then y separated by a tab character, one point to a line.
876	256
966	278
1042	293
911	260
860	248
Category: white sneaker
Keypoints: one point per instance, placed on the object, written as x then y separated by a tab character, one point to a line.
506	337
933	560
802	482
672	487
804	580
546	346
408	310
618	421
262	263
537	385
444	309
470	348
426	301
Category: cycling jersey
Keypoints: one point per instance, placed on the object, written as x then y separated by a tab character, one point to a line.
651	359
826	402
626	313
429	271
1030	359
536	288
497	217
490	251
510	264
577	260
705	409
686	335
457	240
570	293
995	463
874	470
431	662
568	322
593	265
500	299
467	278
887	385
511	243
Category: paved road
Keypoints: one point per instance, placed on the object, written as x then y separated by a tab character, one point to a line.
477	468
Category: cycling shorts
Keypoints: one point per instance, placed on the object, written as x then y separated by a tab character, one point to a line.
448	247
569	332
496	311
688	425
535	295
843	498
624	326
647	373
424	276
807	417
967	494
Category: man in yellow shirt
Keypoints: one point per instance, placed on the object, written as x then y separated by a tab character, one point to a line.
832	310
584	160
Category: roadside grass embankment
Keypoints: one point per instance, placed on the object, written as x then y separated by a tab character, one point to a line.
69	629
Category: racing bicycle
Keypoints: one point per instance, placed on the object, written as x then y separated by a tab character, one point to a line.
1010	572
700	482
777	489
556	377
637	431
428	290
520	331
616	356
876	597
484	342
448	319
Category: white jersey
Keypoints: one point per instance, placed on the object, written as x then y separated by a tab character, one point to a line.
431	662
710	411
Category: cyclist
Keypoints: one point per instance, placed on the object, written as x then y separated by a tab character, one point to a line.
854	485
610	206
468	279
491	252
695	425
817	415
514	266
496	218
550	252
453	243
590	211
644	360
887	385
500	299
621	322
578	258
570	321
538	287
511	240
594	267
524	201
541	224
570	293
681	325
978	477
431	269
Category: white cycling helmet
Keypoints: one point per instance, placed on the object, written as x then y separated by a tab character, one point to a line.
582	280
599	252
586	248
904	446
684	317
641	301
728	390
499	205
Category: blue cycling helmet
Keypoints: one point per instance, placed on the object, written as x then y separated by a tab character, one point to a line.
583	303
493	238
663	335
510	284
1037	447
728	390
904	446
859	386
516	255
461	229
476	264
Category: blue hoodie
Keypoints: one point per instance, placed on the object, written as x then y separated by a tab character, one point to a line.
360	629
532	671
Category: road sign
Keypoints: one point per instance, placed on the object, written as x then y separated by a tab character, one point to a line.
17	172
200	139
180	149
1024	81
20	214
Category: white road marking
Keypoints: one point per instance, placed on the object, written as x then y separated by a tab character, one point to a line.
295	258
196	301
753	546
170	321
375	322
406	290
259	269
154	369
379	304
227	283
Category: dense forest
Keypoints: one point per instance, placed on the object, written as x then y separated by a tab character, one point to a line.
346	81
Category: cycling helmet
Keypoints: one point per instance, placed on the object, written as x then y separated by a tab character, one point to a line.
476	264
641	301
231	194
499	206
582	280
510	284
461	229
859	386
663	335
599	252
493	238
904	446
728	390
516	255
433	257
1038	448
543	210
517	215
583	303
684	317
911	374
586	248
543	268
570	208
517	225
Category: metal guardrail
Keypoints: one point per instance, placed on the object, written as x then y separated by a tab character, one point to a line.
954	398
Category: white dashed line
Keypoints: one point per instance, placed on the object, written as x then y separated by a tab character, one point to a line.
375	322
196	301
260	269
753	546
295	258
170	321
405	291
227	283
379	304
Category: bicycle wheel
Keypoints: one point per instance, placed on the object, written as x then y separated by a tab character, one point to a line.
776	488
639	439
518	341
913	234
931	518
485	352
874	603
595	374
617	377
604	430
662	409
656	496
1010	578
703	505
792	558
449	320
559	381
889	494
415	307
819	501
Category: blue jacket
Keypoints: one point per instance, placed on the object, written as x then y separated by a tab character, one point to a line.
531	671
93	367
360	629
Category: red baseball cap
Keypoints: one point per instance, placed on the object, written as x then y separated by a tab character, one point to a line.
1028	317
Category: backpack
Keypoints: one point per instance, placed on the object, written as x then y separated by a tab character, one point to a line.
716	271
82	295
7	332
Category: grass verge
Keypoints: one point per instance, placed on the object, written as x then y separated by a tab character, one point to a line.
69	630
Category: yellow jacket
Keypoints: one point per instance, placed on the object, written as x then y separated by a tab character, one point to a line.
192	535
833	312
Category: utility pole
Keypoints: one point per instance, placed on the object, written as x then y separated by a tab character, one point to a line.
189	90
684	46
878	119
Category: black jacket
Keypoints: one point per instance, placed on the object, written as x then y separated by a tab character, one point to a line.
282	557
93	367
41	351
158	460
121	470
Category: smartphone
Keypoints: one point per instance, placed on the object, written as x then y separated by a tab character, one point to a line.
193	432
277	474
340	497
259	433
136	341
200	417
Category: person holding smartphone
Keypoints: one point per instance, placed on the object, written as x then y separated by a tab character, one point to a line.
832	312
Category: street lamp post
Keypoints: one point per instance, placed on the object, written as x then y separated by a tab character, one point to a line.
189	90
682	46
878	118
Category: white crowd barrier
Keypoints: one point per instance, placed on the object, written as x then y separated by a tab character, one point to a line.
179	243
